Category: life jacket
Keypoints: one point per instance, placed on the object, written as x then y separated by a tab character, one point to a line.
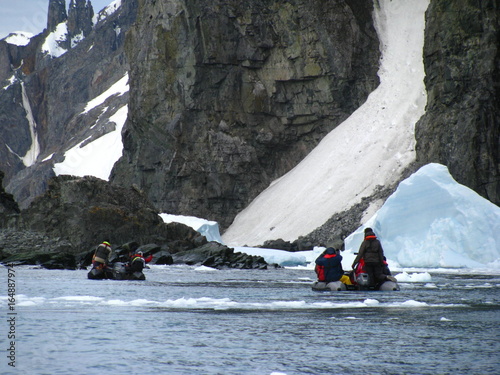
138	258
360	268
360	276
102	253
354	275
137	263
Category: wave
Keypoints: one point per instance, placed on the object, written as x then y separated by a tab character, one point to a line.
208	303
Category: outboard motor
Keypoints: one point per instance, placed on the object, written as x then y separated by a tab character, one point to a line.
363	279
119	271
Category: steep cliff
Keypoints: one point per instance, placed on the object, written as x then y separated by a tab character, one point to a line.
461	127
226	96
47	85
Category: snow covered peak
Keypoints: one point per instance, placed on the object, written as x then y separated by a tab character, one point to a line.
107	11
19	38
54	44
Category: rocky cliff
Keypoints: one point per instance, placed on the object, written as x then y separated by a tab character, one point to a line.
61	228
9	209
461	127
226	96
87	210
47	85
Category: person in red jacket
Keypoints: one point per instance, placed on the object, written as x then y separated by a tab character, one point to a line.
329	266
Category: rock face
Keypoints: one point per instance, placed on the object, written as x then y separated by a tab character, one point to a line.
461	127
61	228
9	209
226	96
45	95
80	18
87	210
56	14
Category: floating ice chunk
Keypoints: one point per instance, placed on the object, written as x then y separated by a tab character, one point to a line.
414	277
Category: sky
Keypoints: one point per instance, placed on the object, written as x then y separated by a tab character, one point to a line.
30	15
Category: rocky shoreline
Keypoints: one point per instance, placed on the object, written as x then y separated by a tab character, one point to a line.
61	229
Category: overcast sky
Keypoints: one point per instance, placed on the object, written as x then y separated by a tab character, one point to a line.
30	15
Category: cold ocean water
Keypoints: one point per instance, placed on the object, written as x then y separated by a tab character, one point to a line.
188	320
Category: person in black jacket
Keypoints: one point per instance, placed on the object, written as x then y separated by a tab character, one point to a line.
329	266
102	255
373	255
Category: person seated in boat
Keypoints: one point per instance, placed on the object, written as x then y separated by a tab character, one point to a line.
329	266
102	255
385	268
138	262
372	253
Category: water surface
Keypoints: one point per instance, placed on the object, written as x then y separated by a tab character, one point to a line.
184	320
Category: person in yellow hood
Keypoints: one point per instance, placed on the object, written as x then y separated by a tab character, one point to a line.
102	255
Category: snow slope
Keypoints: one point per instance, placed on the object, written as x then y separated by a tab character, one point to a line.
372	147
97	158
52	45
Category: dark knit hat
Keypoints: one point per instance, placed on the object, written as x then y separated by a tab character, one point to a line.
331	250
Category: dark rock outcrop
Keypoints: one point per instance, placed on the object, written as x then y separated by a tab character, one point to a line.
8	206
21	246
226	96
219	256
87	210
301	244
56	14
461	126
80	15
61	228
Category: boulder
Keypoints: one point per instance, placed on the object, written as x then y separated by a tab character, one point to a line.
86	210
162	257
216	255
301	244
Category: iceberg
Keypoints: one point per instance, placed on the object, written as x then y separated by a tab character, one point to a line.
433	221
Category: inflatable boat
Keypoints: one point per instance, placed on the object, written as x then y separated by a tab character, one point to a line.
359	281
333	286
117	272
